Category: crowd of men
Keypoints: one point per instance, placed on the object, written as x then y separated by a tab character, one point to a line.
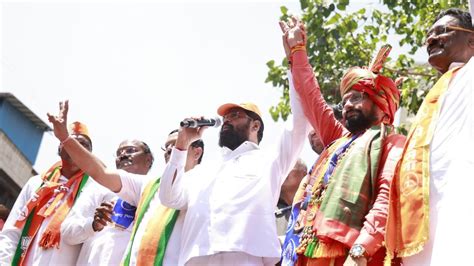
371	197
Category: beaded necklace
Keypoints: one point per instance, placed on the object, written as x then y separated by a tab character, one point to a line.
314	195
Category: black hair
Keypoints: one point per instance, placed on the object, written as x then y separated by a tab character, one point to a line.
147	150
337	110
255	116
464	17
196	144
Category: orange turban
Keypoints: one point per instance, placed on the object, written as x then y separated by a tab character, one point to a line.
79	128
380	89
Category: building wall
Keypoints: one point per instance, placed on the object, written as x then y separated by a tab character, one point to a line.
24	134
13	163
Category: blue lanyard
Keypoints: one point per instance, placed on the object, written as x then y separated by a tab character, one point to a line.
335	157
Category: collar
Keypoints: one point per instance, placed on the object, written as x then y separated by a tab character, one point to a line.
456	64
246	146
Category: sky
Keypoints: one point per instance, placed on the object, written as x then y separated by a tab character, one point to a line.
135	70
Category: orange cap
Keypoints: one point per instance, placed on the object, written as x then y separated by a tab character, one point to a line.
223	109
79	128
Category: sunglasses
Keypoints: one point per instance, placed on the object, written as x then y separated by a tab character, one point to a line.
444	29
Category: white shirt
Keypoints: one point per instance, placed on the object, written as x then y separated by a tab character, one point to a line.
132	190
98	248
9	237
231	202
452	177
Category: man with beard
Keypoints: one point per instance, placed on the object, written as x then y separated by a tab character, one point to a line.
101	244
430	216
153	232
230	202
31	235
341	208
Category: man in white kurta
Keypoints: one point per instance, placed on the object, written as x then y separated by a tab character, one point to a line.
230	202
105	245
10	235
450	44
452	177
66	254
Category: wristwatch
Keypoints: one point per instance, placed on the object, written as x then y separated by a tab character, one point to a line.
357	251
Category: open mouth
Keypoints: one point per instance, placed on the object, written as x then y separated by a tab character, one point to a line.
124	162
435	49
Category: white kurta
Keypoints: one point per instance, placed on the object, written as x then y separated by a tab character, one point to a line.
98	248
132	190
231	202
452	177
10	235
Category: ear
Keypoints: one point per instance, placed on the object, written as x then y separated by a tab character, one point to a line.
386	119
471	41
256	125
149	161
197	153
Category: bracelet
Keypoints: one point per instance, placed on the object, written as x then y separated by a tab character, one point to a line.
66	140
296	48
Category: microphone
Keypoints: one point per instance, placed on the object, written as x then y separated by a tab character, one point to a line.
201	122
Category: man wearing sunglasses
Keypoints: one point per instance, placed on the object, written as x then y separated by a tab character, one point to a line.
102	244
230	202
430	215
340	210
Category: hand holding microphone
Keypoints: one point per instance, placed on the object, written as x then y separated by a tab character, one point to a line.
192	129
201	122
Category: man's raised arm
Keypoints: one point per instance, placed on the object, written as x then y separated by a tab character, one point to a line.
84	159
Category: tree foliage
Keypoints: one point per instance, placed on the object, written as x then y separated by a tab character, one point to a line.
339	38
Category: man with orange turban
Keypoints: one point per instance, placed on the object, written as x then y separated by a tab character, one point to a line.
340	210
32	235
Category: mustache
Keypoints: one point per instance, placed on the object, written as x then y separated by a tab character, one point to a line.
434	44
125	159
227	126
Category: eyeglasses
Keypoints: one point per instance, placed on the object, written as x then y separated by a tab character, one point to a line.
354	98
234	115
444	29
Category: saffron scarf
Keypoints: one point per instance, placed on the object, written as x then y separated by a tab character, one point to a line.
46	202
152	246
408	221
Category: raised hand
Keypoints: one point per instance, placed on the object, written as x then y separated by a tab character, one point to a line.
60	121
294	34
187	135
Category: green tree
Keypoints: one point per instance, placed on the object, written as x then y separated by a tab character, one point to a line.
339	39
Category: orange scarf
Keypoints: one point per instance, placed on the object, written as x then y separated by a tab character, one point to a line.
46	200
408	220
